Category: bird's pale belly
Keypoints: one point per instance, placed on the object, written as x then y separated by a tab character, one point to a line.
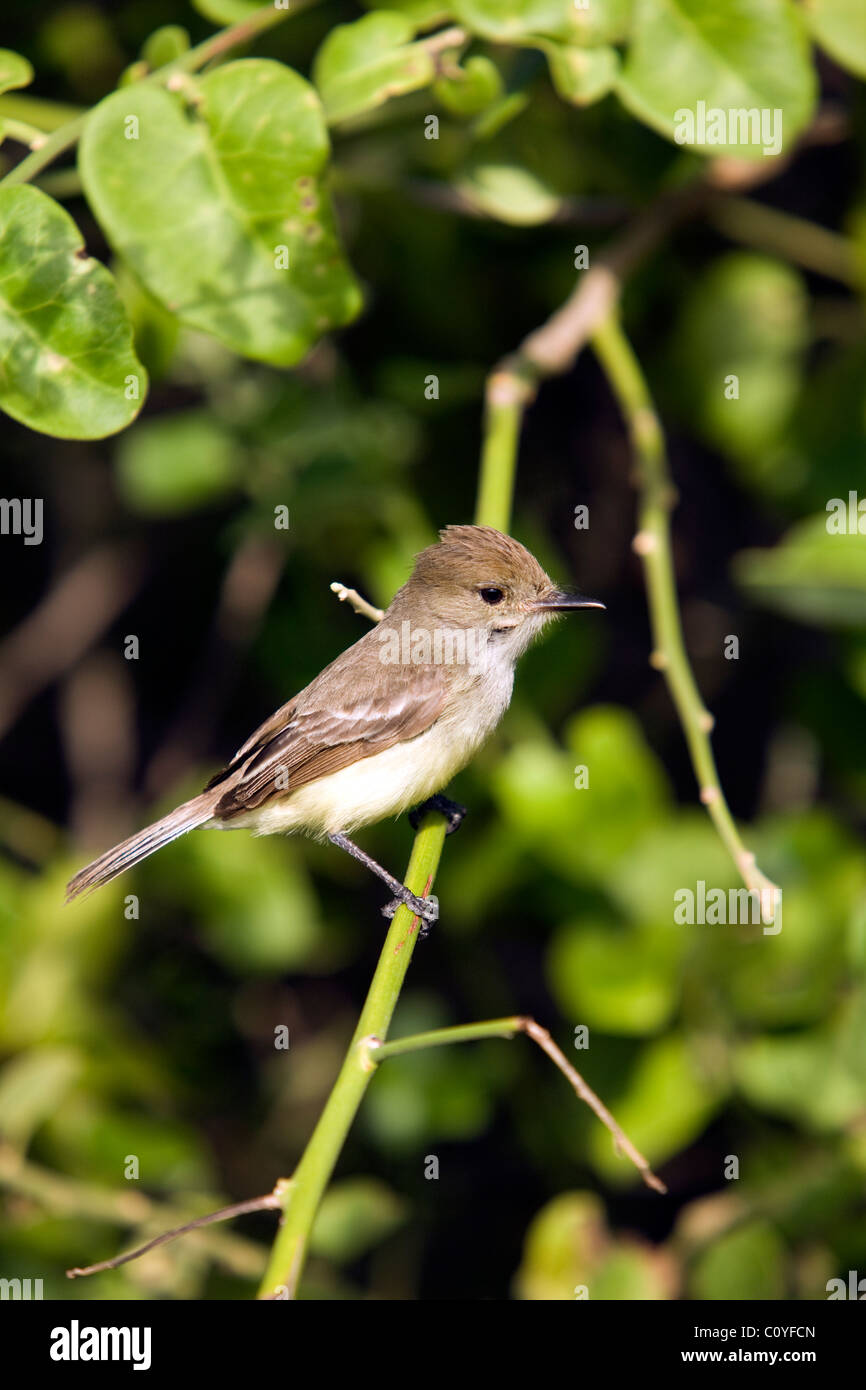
388	783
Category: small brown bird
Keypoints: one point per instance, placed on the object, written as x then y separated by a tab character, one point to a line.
388	723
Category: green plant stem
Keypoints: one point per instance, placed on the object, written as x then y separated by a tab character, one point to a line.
439	1037
794	238
304	1193
20	131
653	545
232	37
504	414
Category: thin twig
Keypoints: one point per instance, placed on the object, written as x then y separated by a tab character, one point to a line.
272	1201
354	599
378	1051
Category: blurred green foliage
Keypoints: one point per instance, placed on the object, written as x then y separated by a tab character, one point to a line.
145	1027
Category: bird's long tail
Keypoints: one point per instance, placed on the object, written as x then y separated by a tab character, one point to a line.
139	846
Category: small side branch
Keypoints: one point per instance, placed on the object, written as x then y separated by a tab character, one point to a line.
375	1051
354	600
271	1202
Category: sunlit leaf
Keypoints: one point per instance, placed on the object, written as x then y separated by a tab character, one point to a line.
15	71
601	21
219	208
67	365
582	75
739	348
362	65
839	26
509	192
813	575
731	56
478	85
175	463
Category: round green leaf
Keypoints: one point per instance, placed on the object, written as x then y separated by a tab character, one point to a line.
688	57
15	71
813	575
746	317
423	14
839	26
582	75
219	209
746	1263
618	982
478	85
508	192
67	365
175	463
165	45
511	21
226	11
361	65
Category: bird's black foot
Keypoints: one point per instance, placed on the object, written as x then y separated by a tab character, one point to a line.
452	810
425	908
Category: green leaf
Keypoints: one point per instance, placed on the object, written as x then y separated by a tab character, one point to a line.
422	14
747	318
478	85
226	11
510	21
208	204
746	1263
839	26
803	1078
508	192
581	75
562	1248
15	71
619	982
67	366
355	1216
165	45
361	65
730	56
176	463
32	1085
569	1249
813	575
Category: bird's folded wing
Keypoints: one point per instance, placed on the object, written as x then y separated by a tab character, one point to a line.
298	746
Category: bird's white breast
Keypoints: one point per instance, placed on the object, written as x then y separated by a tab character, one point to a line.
402	776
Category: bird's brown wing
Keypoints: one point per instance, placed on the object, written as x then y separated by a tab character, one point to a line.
297	746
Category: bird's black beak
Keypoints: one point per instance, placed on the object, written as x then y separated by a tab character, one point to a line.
558	601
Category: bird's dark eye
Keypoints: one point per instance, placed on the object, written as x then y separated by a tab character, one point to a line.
492	595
